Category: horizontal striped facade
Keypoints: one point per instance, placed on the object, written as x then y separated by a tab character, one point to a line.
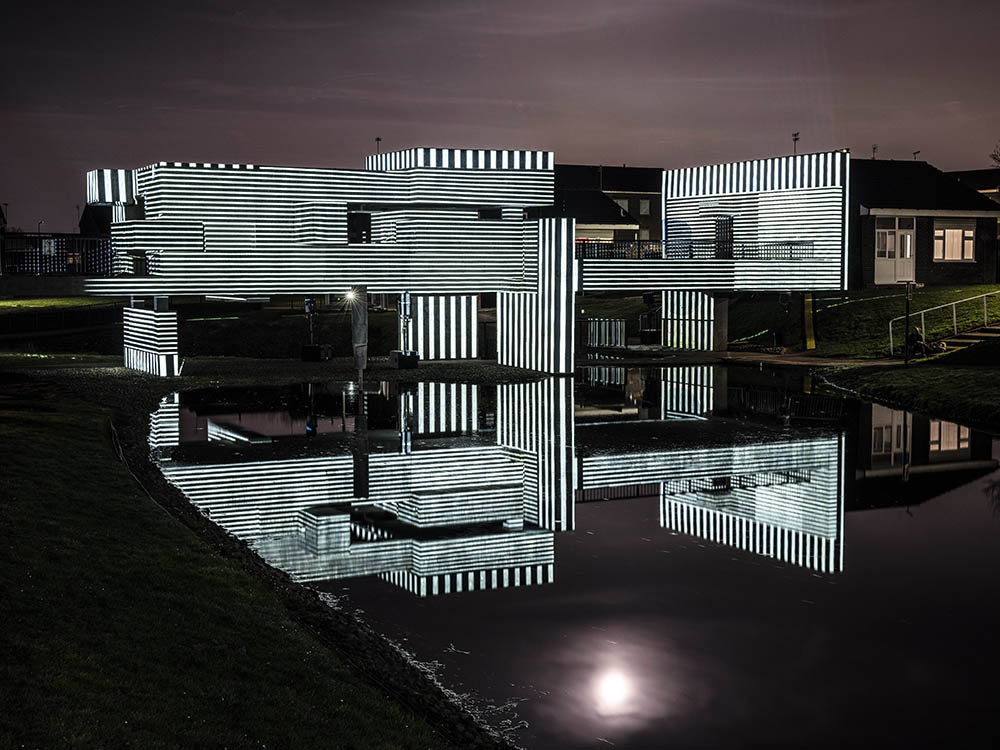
383	269
794	513
606	332
150	338
694	463
450	555
770	202
254	499
111	186
688	320
536	421
442	327
535	330
316	223
473	580
395	477
687	391
460	158
451	506
164	423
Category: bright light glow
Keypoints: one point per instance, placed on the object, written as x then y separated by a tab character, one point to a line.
351	295
612	691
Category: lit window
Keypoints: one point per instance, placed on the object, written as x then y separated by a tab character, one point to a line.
644	207
948	436
622	204
954	240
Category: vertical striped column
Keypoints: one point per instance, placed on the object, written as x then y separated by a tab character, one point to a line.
535	329
441	408
688	390
151	341
536	420
606	332
442	326
688	320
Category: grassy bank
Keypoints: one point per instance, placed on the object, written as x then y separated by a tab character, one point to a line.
36	304
851	324
121	628
966	394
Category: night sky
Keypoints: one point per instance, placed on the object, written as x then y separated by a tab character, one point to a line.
643	82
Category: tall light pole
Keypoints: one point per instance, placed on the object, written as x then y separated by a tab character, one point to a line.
795	143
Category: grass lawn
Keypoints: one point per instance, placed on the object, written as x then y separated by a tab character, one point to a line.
964	393
853	323
38	304
122	629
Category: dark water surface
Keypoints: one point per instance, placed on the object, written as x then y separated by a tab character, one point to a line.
674	557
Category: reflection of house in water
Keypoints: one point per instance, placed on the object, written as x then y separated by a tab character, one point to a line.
442	488
894	444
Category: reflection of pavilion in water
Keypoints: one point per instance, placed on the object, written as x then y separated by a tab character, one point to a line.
452	487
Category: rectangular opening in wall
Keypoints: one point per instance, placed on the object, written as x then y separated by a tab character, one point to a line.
491	214
359	227
954	240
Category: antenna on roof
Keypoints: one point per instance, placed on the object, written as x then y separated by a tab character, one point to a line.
874	149
915	155
378	143
795	143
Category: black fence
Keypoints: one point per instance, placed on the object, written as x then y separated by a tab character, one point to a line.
694	250
55	255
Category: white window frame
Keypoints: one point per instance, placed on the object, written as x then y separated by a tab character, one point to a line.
945	231
894	234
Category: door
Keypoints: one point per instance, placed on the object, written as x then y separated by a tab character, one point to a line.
904	249
894	248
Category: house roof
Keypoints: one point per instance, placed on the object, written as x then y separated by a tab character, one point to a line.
879	183
587	207
609	179
979	179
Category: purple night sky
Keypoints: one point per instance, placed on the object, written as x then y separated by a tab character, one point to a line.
644	82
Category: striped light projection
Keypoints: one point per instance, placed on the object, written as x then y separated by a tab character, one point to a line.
535	329
151	341
535	421
793	514
688	320
111	186
442	326
446	408
243	229
687	391
606	332
460	158
799	199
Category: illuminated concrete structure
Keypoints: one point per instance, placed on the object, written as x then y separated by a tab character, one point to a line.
442	506
442	225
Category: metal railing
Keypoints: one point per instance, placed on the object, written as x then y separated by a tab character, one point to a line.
954	316
694	250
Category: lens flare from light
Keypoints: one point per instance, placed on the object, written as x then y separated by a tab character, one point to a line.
351	295
612	691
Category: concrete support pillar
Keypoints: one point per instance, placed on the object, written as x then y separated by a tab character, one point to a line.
695	320
150	338
536	421
535	329
359	327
